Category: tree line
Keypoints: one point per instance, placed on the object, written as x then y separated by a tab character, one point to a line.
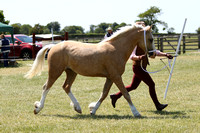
150	17
41	29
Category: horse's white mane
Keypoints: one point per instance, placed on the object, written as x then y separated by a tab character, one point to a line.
122	30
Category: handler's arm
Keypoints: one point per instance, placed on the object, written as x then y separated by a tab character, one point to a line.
137	58
158	53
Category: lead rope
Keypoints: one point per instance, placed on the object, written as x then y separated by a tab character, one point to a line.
169	60
166	65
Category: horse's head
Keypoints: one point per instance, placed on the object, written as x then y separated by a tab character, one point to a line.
148	42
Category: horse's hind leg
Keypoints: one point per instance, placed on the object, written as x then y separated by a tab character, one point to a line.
94	106
52	77
71	75
40	104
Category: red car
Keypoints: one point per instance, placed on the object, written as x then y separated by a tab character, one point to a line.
23	47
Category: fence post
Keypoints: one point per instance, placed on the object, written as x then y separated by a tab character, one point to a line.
183	44
199	42
66	36
161	44
33	38
179	51
158	42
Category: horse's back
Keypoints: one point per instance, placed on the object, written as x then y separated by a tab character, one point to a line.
85	59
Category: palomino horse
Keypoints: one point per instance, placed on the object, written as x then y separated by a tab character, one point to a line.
105	59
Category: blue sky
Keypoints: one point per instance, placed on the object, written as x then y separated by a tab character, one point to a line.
86	12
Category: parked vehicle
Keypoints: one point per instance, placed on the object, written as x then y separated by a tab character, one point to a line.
23	47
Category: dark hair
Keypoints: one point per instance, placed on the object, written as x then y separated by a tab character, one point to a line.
2	35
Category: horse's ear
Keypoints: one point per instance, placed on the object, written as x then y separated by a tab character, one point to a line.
149	28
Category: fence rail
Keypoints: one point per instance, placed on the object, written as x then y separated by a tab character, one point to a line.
163	42
168	43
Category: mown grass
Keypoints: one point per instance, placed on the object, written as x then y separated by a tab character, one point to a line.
17	96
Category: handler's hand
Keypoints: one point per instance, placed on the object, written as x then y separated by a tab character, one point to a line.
141	57
169	56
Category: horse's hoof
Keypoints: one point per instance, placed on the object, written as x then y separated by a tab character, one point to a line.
35	112
92	113
138	116
79	111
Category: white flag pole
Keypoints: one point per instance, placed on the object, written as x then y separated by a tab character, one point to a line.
177	50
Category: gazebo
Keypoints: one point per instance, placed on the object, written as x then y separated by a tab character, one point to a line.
7	28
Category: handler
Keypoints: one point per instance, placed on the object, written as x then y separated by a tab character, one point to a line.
140	75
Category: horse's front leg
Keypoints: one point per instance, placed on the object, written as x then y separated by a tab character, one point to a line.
120	85
75	104
94	106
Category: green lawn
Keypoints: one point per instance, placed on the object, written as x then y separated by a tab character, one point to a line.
17	97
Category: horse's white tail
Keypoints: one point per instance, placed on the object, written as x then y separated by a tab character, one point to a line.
37	66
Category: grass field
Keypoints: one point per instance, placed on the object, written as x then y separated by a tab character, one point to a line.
17	96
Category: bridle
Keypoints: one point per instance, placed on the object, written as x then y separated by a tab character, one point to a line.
145	43
169	60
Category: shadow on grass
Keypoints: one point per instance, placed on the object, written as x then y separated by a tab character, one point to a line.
11	64
88	116
172	114
169	112
164	115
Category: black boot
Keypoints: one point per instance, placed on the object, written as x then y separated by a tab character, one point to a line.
153	95
160	107
114	99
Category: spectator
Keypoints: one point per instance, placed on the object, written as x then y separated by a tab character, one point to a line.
5	49
109	33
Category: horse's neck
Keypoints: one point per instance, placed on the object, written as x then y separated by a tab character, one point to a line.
126	45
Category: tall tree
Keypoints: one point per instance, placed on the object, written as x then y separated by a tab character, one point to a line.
102	26
116	26
150	18
2	18
73	29
92	28
171	30
99	30
16	28
26	29
55	25
37	29
198	30
46	30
